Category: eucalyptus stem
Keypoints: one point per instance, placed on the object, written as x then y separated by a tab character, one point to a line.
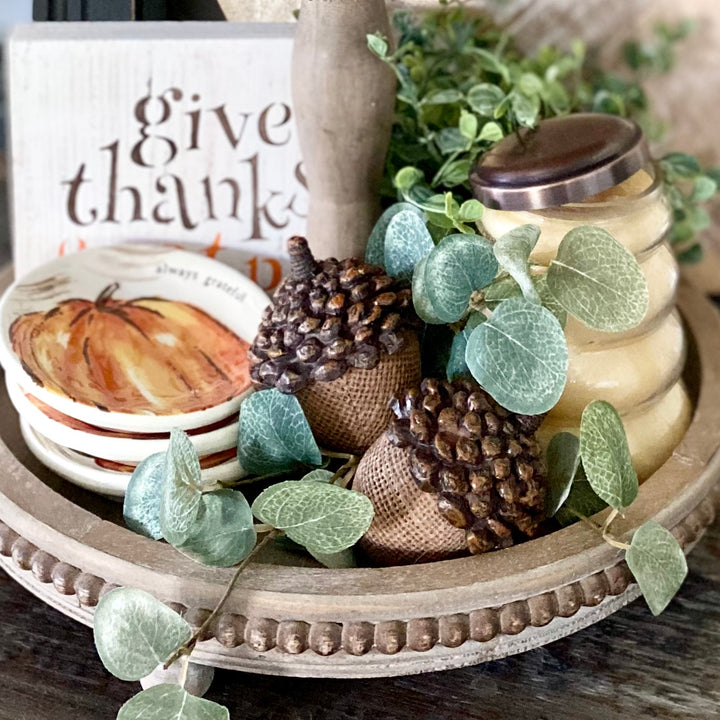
603	530
339	455
187	648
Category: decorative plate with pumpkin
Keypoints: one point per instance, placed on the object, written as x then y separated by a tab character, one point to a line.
132	337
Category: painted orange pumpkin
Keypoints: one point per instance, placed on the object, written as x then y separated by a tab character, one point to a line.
147	355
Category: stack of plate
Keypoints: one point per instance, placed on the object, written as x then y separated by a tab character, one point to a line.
108	350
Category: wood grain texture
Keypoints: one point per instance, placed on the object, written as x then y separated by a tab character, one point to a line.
629	665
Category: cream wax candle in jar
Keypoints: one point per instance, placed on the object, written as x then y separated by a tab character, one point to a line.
591	169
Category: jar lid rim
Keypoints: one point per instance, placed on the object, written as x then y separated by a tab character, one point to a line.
562	160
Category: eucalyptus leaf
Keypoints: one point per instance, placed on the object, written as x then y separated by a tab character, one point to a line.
457	367
502	288
326	519
582	501
337	561
274	434
375	249
598	280
170	702
459	265
421	301
407	241
562	461
134	632
657	561
223	533
520	356
181	497
324	476
143	497
548	299
512	252
606	456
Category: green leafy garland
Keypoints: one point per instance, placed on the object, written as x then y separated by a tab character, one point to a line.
462	87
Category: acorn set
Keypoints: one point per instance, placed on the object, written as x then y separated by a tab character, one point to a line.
447	468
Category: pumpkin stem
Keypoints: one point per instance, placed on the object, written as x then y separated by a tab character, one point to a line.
302	262
106	294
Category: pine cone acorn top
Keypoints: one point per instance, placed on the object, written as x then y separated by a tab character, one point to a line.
327	317
482	460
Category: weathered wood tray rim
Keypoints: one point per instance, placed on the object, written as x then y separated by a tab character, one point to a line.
460	610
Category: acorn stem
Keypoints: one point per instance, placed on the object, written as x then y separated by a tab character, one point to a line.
302	262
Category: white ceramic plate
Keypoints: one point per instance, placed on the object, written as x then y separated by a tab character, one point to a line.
83	471
139	338
109	444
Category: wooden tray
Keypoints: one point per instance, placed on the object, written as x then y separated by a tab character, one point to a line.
68	547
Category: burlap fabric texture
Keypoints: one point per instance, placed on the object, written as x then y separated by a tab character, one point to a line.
350	413
407	527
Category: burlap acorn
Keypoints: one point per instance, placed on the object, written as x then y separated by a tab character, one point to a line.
407	527
479	463
338	335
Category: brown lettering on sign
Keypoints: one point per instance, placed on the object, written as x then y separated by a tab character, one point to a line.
169	124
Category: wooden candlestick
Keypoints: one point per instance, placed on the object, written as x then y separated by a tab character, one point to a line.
344	99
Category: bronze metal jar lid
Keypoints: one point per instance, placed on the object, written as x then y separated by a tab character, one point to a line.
562	160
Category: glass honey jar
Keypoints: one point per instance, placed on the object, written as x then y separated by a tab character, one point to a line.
591	169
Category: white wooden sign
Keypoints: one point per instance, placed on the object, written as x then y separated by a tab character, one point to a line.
179	133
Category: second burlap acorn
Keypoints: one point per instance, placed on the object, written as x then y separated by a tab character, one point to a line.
455	471
340	335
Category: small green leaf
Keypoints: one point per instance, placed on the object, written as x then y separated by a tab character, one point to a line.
324	518
598	280
526	108
520	357
455	173
606	456
490	132
470	211
681	164
378	44
442	97
450	140
657	561
562	461
484	98
459	265
143	497
170	702
274	434
223	533
421	301
468	125
407	241
692	255
555	95
530	84
182	494
512	251
375	249
490	62
407	177
704	188
134	632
